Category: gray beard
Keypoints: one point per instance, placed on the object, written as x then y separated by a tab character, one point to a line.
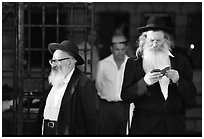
155	60
56	78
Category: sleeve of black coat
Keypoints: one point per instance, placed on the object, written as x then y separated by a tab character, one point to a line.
185	83
90	106
133	83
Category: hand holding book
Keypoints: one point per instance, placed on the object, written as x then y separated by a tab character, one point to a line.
162	71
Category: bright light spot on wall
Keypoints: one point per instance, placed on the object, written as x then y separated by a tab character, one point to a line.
192	46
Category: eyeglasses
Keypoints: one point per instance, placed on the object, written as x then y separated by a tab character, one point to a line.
52	61
151	41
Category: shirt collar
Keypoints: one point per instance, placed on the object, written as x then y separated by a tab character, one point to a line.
170	54
112	59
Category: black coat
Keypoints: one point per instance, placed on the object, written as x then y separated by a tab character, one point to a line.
152	113
79	110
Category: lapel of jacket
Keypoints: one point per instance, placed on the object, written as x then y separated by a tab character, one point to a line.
70	88
65	109
173	63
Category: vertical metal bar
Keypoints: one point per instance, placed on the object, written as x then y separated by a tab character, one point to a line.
91	7
86	39
19	68
29	53
57	20
43	46
14	127
29	39
72	20
86	28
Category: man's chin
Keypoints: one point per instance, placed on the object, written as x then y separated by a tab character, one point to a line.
55	82
56	77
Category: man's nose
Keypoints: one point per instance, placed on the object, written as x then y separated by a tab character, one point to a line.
54	66
121	51
154	44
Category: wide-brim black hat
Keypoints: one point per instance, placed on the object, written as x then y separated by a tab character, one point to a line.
157	23
69	47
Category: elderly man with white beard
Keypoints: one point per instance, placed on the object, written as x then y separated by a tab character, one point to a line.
158	82
70	108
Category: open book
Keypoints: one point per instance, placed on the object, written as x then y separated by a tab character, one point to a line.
163	71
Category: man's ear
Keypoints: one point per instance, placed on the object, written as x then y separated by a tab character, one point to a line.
111	48
75	61
69	63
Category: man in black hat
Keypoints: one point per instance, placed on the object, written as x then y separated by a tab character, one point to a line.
70	107
158	82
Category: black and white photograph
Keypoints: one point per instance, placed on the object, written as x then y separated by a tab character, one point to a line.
101	69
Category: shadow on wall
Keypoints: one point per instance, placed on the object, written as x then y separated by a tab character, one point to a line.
108	24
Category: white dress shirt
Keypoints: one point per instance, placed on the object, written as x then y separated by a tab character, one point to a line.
54	99
164	82
109	79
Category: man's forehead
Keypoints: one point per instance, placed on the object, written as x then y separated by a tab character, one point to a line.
118	39
155	35
60	54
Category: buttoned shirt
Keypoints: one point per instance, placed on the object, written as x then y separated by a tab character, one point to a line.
109	78
164	82
54	99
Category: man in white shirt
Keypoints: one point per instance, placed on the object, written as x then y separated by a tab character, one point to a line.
70	107
109	78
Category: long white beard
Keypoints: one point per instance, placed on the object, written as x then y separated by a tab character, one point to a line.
56	78
155	60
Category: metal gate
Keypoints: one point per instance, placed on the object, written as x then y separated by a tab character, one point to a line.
39	24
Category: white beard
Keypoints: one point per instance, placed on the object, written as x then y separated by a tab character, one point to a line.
56	78
155	59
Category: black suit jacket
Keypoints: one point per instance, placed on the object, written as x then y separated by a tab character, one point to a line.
150	106
78	110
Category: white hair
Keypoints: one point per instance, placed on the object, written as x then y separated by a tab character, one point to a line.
168	42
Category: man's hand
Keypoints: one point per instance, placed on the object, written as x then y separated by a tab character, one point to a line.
151	78
173	75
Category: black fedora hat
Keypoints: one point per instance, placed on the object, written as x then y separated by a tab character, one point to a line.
69	47
157	23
